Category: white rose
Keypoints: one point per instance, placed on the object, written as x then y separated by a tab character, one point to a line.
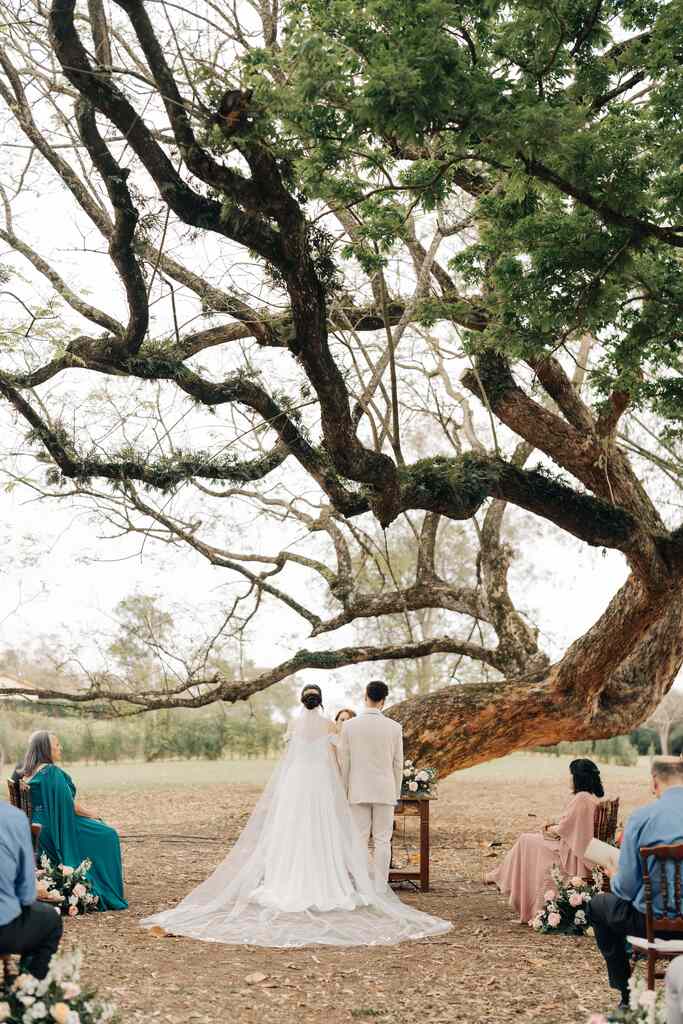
646	999
4	1011
409	764
412	786
422	776
73	901
25	981
407	773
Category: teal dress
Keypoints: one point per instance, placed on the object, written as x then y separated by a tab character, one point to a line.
67	838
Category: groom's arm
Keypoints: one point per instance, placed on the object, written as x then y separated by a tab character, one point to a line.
398	763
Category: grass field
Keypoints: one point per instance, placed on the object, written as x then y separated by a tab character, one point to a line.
256	772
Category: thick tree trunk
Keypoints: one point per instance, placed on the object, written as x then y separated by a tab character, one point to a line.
620	671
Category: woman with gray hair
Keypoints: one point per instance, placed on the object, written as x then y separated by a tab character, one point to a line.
70	833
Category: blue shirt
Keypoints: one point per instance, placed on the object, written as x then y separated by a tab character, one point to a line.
17	864
656	824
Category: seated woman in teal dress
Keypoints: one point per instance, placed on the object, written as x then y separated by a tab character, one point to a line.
71	834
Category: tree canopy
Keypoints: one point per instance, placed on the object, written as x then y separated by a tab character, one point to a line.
436	250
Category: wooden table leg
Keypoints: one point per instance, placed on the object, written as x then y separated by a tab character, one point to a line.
424	845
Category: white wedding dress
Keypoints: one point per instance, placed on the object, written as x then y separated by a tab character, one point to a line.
299	874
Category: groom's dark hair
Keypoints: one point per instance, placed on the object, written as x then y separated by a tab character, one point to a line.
377	691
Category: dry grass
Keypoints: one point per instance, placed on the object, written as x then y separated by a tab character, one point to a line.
488	969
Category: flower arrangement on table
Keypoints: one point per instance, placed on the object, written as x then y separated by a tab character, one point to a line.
57	999
71	884
418	781
645	1006
565	905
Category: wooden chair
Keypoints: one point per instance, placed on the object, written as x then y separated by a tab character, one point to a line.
14	793
20	796
605	828
10	969
605	820
656	943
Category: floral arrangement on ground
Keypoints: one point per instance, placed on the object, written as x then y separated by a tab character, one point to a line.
418	781
57	999
566	905
71	884
646	1006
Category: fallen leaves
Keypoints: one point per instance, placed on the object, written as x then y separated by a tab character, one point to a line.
483	972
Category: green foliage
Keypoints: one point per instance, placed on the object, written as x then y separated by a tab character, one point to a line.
390	102
646	741
207	734
617	750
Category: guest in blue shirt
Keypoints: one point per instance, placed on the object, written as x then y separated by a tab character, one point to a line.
621	912
31	929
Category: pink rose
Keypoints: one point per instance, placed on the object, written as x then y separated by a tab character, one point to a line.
597	1018
79	890
70	989
578	883
66	870
73	911
576	899
549	895
554	920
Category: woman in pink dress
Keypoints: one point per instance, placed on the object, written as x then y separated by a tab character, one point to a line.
525	872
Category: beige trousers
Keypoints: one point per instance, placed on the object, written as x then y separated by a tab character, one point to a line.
378	820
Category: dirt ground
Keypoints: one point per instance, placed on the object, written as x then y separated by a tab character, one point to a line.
488	969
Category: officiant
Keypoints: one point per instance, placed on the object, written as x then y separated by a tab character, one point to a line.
621	912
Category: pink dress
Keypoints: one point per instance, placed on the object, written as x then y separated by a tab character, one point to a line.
525	872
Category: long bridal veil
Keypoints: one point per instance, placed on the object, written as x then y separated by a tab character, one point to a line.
298	874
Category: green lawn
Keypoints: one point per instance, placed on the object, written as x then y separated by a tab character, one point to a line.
148	775
533	768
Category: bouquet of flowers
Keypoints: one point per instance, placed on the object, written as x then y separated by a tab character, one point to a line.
57	999
646	1006
418	781
71	884
565	905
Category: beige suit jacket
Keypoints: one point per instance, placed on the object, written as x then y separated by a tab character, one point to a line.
371	757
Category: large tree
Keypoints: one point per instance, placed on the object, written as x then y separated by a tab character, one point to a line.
423	187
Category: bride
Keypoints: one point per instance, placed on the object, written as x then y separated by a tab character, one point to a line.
299	874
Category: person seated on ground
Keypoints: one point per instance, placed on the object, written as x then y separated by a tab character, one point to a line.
524	874
70	833
31	929
621	912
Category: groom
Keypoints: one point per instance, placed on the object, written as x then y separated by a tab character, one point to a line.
371	752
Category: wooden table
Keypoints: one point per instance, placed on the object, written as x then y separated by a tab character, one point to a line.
415	806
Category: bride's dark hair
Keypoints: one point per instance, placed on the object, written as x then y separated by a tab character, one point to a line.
312	696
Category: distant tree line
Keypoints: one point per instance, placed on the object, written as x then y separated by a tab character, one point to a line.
644	741
163	735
